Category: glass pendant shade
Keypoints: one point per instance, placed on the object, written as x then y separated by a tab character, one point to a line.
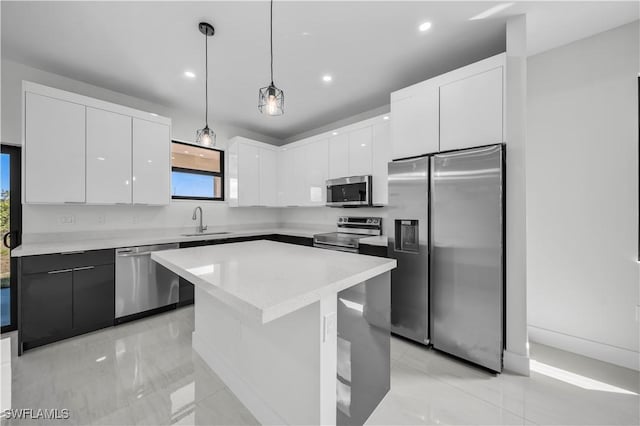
271	100
206	137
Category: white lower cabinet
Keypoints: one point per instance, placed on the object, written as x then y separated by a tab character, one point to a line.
108	157
54	150
471	111
151	162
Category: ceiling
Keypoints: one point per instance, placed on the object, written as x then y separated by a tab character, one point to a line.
370	48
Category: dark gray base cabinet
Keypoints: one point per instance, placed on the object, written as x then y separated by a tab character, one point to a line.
61	296
379	251
65	295
46	305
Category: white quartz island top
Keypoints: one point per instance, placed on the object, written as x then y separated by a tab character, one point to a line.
268	280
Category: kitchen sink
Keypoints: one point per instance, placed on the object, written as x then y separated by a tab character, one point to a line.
197	234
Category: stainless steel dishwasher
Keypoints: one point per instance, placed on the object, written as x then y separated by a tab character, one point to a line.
141	283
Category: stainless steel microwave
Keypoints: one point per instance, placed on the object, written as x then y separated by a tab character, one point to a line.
353	191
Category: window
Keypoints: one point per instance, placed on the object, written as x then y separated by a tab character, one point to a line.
197	173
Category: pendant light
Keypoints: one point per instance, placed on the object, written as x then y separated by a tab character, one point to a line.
206	136
270	98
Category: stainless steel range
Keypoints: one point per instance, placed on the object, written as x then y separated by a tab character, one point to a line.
350	231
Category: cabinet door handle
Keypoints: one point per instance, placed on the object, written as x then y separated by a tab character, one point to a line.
75	202
59	271
83	268
72	252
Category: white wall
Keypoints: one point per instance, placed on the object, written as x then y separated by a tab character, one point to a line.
582	202
37	218
326	215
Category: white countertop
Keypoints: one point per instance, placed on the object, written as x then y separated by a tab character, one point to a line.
267	279
71	245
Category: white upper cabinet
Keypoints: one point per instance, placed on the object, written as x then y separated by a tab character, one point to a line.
381	156
414	128
360	151
339	156
460	109
268	177
54	145
299	193
248	175
108	157
252	173
317	155
471	111
286	177
151	162
83	150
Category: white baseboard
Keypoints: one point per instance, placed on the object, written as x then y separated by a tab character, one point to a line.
600	351
516	363
260	410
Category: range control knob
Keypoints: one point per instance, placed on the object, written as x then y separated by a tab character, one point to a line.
369	220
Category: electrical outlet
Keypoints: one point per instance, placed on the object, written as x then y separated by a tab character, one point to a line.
135	219
67	220
101	219
638	313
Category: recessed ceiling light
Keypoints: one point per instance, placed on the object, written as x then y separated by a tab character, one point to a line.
424	26
363	144
386	117
335	133
154	114
186	152
201	155
491	11
305	34
327	78
189	74
100	158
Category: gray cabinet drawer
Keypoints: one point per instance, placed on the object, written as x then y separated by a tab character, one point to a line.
60	261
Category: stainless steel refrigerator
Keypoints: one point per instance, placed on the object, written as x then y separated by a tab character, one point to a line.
407	230
450	290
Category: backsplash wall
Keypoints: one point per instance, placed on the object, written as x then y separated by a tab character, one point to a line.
326	215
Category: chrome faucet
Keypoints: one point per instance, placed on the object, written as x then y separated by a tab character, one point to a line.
201	228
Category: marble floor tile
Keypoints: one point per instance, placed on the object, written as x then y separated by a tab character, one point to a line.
146	373
543	398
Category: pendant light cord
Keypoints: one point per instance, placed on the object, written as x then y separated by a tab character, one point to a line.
206	79
271	38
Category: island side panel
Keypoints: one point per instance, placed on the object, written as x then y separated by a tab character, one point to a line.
275	368
363	349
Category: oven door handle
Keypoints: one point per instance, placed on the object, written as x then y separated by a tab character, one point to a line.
332	246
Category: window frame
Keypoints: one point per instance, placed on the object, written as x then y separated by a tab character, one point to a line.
219	174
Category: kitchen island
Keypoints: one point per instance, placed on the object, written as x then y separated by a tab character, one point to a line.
299	334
